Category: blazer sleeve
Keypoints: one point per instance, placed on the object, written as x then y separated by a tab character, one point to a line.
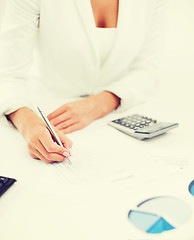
17	40
140	82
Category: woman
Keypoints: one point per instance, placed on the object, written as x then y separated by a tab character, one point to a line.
101	50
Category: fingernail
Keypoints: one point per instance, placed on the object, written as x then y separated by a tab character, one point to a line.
66	154
70	151
66	150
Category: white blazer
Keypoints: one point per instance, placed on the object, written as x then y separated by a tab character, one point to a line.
69	61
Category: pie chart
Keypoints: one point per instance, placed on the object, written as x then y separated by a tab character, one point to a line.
191	188
160	214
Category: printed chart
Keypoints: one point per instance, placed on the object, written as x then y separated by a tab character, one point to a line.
191	188
160	214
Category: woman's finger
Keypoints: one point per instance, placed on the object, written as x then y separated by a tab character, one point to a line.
34	153
73	128
57	112
52	156
40	156
49	156
67	143
49	144
66	124
61	118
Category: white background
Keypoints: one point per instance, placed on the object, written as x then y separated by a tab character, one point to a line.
176	91
177	64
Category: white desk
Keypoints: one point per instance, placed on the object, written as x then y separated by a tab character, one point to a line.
38	208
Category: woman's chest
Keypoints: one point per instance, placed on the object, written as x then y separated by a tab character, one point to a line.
68	31
105	13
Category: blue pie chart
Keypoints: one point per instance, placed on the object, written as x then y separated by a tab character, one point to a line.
191	188
160	214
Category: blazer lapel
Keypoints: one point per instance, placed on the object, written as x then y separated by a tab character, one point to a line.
126	32
126	35
85	12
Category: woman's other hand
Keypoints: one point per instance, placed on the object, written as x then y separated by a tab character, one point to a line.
40	142
76	115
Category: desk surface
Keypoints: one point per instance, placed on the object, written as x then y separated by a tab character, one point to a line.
44	204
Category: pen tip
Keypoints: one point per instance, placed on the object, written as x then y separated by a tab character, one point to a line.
69	161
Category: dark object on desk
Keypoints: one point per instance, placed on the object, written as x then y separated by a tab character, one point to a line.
141	127
5	184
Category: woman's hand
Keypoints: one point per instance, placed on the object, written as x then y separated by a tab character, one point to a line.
40	142
41	145
76	115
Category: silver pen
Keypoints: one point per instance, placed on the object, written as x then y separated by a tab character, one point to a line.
52	131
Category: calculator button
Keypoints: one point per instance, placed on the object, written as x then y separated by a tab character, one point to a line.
148	121
3	180
117	121
1	184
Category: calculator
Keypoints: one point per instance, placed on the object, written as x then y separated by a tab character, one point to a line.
141	127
